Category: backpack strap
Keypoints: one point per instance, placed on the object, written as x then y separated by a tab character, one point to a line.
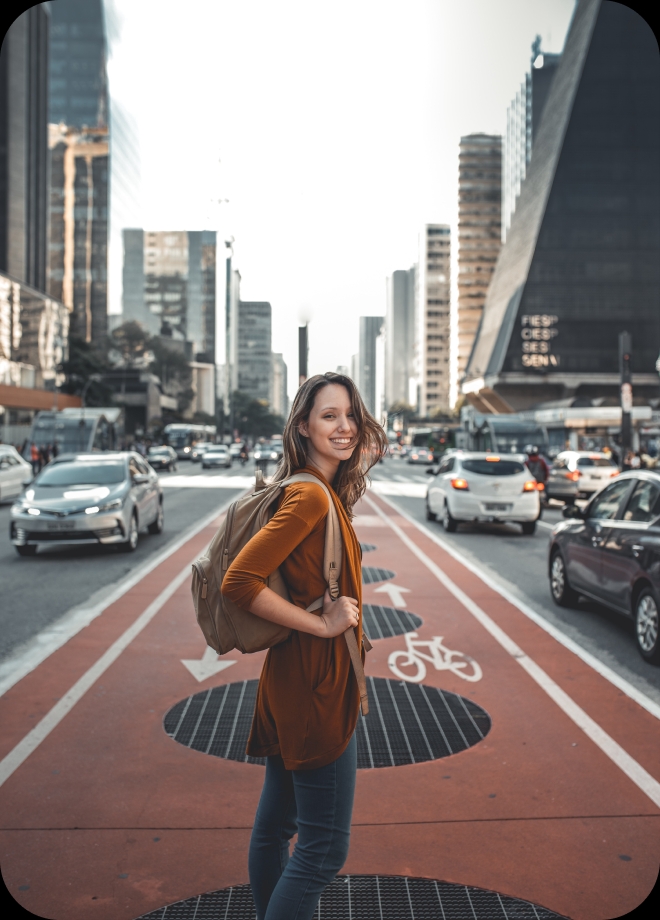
331	570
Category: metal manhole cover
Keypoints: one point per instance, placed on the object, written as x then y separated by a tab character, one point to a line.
371	574
369	897
407	723
385	622
368	547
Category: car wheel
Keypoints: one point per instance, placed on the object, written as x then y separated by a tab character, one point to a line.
528	527
26	550
448	522
647	626
562	593
157	525
430	515
130	545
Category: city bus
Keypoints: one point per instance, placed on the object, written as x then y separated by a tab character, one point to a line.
77	430
183	435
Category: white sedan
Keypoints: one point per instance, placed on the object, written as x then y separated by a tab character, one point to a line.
471	486
15	472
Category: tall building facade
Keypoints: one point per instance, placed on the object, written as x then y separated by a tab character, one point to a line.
370	329
479	233
78	244
169	285
581	262
399	336
279	401
523	118
254	364
78	87
24	148
433	297
125	194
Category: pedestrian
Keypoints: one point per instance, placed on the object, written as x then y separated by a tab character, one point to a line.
308	697
35	458
538	468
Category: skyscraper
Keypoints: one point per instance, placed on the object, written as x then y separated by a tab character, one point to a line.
254	349
279	401
78	88
169	283
433	303
24	148
479	233
370	329
399	336
523	118
78	244
580	263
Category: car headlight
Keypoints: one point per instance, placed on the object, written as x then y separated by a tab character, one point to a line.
113	505
34	511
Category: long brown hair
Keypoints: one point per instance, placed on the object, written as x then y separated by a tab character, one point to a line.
351	480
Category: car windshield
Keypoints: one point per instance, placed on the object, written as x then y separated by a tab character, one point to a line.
594	461
75	474
158	450
493	467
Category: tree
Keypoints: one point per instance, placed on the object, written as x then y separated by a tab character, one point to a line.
253	417
403	411
132	341
83	361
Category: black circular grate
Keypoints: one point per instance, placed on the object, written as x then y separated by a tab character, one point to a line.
368	547
369	897
371	574
407	723
385	622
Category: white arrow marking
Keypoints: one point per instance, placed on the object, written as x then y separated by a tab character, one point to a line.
207	665
395	592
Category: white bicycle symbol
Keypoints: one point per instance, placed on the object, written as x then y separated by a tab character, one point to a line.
442	659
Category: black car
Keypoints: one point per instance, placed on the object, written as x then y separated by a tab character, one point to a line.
610	551
162	458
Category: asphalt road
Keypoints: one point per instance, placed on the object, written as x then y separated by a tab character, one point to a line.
38	590
520	564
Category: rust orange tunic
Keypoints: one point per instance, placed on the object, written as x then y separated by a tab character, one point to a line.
308	699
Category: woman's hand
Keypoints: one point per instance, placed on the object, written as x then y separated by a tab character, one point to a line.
339	615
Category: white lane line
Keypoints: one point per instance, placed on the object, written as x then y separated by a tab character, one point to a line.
599	666
545	525
53	637
628	765
52	719
204	481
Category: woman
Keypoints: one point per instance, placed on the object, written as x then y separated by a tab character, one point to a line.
308	699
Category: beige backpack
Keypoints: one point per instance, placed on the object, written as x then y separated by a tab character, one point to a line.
226	625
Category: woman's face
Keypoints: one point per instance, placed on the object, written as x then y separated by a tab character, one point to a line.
331	426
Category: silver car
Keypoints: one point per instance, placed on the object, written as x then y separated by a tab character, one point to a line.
216	456
579	474
88	498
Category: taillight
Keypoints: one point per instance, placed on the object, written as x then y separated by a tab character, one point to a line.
574	476
460	484
614	473
531	485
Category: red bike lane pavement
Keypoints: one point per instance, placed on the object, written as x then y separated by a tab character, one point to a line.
106	816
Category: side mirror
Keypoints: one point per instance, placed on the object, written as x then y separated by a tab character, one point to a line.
572	511
140	479
431	472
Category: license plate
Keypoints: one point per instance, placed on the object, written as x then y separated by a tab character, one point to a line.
496	506
63	525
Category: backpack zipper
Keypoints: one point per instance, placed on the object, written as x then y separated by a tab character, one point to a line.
202	574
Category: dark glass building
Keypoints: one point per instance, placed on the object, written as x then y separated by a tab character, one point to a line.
78	93
24	148
582	258
254	349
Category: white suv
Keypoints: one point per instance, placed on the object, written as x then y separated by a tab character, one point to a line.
472	486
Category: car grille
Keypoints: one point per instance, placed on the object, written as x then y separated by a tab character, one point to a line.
65	536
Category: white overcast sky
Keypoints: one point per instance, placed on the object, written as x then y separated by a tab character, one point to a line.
336	126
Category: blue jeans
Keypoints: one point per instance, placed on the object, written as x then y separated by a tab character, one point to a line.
317	804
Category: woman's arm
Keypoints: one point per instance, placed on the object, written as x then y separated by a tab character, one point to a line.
336	618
